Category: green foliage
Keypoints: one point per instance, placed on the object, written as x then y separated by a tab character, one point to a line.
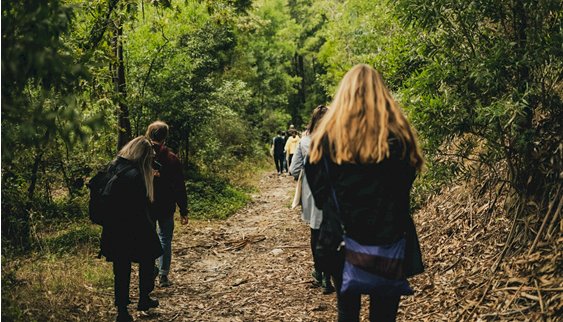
82	235
38	76
213	198
489	72
272	122
10	310
32	49
15	228
267	45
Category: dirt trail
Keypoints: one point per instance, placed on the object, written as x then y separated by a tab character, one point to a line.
255	266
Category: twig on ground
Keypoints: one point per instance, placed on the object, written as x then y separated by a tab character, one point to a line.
543	224
292	246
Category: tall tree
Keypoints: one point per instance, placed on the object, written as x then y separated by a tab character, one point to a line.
118	71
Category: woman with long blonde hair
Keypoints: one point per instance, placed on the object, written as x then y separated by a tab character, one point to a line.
363	160
128	234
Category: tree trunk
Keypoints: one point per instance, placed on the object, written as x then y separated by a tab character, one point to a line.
297	101
124	124
19	231
303	88
40	150
34	170
528	180
187	146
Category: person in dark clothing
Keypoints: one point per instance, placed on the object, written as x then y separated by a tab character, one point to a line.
169	191
278	145
128	234
365	149
285	138
311	214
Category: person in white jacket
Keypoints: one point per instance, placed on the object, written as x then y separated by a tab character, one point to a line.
310	214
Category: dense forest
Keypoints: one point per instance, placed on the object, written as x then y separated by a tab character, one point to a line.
481	81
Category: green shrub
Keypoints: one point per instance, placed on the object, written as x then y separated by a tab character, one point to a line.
213	198
76	236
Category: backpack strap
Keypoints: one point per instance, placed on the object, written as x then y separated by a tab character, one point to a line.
124	170
109	184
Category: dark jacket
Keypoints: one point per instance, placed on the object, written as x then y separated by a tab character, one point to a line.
374	200
129	233
169	187
279	145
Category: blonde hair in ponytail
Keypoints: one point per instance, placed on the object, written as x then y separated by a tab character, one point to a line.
140	151
359	120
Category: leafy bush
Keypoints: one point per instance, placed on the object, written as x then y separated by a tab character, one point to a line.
76	236
213	198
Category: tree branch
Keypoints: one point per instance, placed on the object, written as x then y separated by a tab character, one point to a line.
100	26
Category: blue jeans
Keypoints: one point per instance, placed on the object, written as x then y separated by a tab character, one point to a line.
165	231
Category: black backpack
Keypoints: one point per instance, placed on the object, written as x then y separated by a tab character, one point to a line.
100	192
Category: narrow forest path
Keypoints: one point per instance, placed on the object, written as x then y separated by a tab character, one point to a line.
254	266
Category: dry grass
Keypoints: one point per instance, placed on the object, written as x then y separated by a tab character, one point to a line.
248	176
56	287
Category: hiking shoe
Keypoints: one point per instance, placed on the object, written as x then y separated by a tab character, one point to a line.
124	316
164	281
146	304
328	289
327	286
318	278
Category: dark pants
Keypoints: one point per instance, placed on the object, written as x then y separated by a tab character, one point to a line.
122	279
278	160
381	309
289	161
314	239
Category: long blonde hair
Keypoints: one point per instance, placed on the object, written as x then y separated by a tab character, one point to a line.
359	120
140	151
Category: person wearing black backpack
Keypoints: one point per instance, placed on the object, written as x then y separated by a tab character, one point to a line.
169	191
129	234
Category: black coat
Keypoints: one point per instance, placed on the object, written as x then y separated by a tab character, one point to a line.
374	202
129	233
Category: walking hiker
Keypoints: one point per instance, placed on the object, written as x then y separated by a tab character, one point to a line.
363	160
285	137
278	145
311	214
291	147
128	234
169	191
